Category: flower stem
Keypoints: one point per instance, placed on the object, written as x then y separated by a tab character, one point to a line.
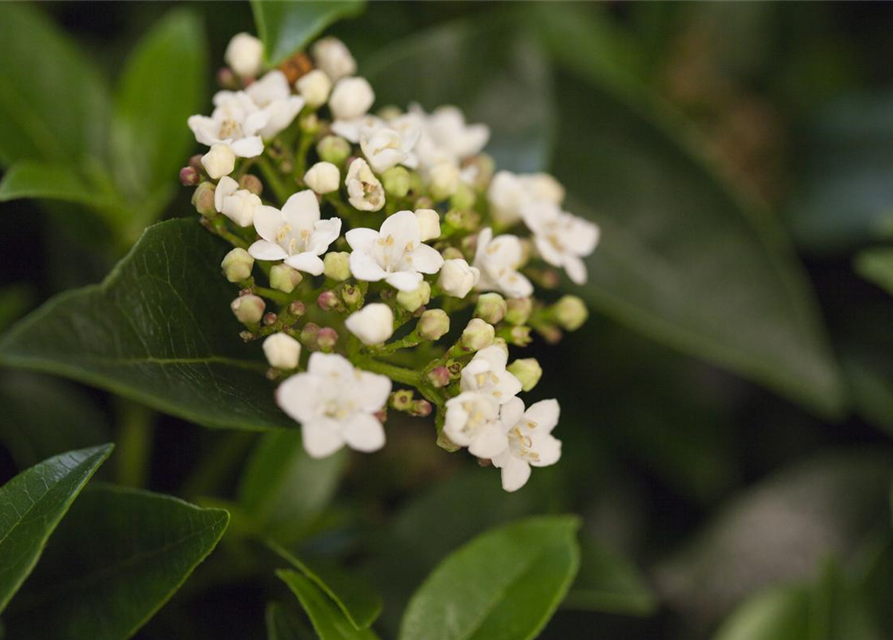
134	443
394	372
274	179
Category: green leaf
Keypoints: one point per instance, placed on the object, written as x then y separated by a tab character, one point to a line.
356	599
876	265
34	179
32	504
609	583
503	585
491	69
118	558
158	330
288	27
330	623
779	613
14	301
150	139
53	103
283	624
283	490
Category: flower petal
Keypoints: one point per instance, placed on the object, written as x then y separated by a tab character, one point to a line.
325	232
363	267
512	412
576	269
301	211
267	222
265	250
515	474
364	433
490	442
322	437
549	449
297	397
403	226
426	259
403	280
307	262
544	414
249	147
361	239
372	392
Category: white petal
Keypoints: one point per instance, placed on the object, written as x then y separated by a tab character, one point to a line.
549	449
329	365
267	221
495	356
576	269
544	414
426	259
322	437
264	250
363	267
297	397
403	280
372	392
307	262
403	226
226	186
361	239
515	474
301	210
364	433
249	147
490	442
512	412
325	232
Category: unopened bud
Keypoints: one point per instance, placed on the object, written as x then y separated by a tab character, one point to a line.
464	198
270	319
518	310
528	371
296	308
195	162
477	335
381	415
333	149
373	324
219	161
550	333
418	297
490	307
237	265
433	324
501	343
351	295
309	336
282	351
401	400
248	309
327	338
420	409
443	181
570	312
429	224
314	87
251	183
283	278
323	177
203	199
455	369
396	182
452	253
465	219
518	336
245	55
226	79
439	377
189	176
336	265
327	300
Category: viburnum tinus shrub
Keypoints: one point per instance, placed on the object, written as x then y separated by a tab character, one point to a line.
363	237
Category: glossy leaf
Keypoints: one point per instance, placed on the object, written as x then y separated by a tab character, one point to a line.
31	506
503	585
118	558
157	330
288	27
14	301
328	621
283	624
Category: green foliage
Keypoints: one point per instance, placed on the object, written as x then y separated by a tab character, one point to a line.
287	27
283	624
328	621
876	265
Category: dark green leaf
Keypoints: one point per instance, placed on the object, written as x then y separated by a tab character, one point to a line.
53	103
118	558
776	614
503	585
283	624
14	301
288	27
32	504
327	619
491	69
157	330
876	265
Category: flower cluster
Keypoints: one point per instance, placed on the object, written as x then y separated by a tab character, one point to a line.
379	248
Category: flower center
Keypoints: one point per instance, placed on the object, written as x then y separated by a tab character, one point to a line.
230	128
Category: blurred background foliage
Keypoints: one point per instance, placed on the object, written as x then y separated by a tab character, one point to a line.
727	411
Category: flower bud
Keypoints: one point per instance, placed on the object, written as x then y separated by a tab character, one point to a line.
248	309
412	300
189	176
282	351
237	265
420	409
203	199
457	278
518	310
464	197
314	87
455	368
396	182
323	177
443	181
351	295
283	278
439	377
226	79
245	55
429	223
333	149
452	253
527	370
465	219
363	189
270	319
334	58
501	343
518	336
477	335
310	336
490	307
296	308
401	400
327	338
570	312
482	167
251	183
309	124
327	300
373	324
351	98
336	265
433	324
219	161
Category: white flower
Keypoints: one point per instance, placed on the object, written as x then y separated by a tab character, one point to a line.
394	254
443	180
364	190
373	324
235	122
486	374
335	404
314	87
294	234
334	58
498	260
472	420
562	239
530	440
323	177
282	351
274	98
245	55
236	204
219	161
429	223
351	98
509	191
457	278
386	146
447	138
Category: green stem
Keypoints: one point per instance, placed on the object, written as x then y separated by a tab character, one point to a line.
271	294
274	179
134	443
394	372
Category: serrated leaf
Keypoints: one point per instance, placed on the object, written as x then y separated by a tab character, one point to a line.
32	504
288	27
157	330
118	558
503	585
328	621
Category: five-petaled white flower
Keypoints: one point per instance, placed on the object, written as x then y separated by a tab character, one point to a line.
446	137
394	254
335	404
386	146
236	204
498	260
509	191
562	239
235	122
472	420
274	98
294	234
364	190
530	440
486	374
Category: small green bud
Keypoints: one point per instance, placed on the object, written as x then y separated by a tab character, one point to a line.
433	324
518	336
396	182
412	300
252	183
333	149
237	265
248	309
327	300
327	338
527	370
477	335
570	312
464	219
452	253
420	409
309	336
518	310
490	307
336	265
463	198
283	278
401	400
351	295
203	199
443	181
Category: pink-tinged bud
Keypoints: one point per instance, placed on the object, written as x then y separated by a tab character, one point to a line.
247	336
491	307
327	300
433	324
485	462
518	336
420	408
226	79
518	310
310	335
550	333
381	415
189	176
196	162
297	308
401	400
549	279
327	338
203	199
270	319
248	309
252	183
439	377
